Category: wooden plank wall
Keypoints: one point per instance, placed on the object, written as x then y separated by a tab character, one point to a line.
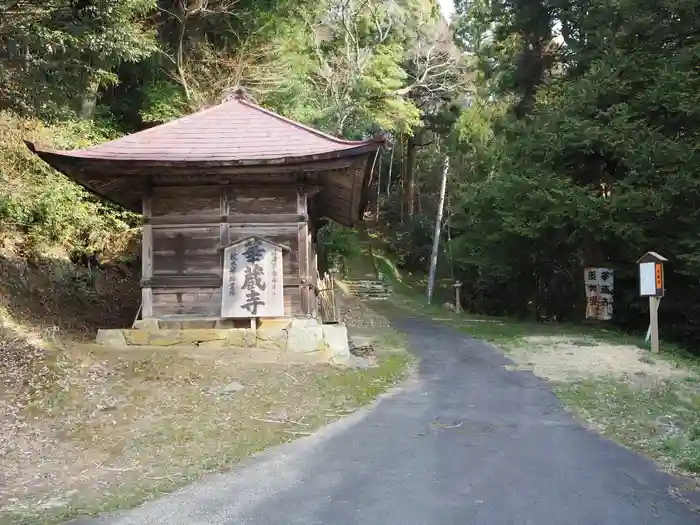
184	227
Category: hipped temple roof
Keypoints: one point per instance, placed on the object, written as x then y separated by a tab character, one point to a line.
235	142
235	130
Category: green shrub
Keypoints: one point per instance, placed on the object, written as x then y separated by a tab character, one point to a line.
44	208
338	244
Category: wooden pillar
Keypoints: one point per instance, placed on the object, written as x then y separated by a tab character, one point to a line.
224	234
224	211
313	265
303	253
147	254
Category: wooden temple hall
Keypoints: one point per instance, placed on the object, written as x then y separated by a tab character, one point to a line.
232	199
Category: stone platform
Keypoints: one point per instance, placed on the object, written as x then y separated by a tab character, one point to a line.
294	336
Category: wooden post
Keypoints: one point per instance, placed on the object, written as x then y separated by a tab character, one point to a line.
458	302
303	253
379	185
147	254
651	284
654	323
335	317
391	164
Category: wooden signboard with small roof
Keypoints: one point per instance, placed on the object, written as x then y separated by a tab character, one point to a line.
651	285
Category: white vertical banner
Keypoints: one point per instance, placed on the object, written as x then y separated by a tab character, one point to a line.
599	283
252	279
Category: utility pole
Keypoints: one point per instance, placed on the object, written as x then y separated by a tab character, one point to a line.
438	223
379	185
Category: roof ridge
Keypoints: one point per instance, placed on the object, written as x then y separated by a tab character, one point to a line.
303	126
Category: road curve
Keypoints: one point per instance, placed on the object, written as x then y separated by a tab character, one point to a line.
462	442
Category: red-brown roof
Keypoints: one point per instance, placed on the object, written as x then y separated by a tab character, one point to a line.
235	142
235	130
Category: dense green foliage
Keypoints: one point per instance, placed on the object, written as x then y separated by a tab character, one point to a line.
593	162
337	245
40	209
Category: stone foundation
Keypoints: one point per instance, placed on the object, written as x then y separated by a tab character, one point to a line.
293	336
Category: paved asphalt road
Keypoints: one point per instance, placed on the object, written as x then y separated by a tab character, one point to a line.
464	442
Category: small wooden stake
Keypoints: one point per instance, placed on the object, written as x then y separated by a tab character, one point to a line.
654	323
458	304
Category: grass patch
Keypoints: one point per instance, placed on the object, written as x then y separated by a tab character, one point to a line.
360	387
661	420
109	430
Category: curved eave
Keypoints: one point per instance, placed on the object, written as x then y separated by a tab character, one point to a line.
122	180
85	156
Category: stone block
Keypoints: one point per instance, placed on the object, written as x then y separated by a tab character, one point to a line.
335	338
214	343
271	339
305	337
175	337
137	337
199	335
304	321
146	324
242	337
110	337
275	323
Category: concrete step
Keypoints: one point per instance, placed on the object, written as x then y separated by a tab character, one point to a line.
368	289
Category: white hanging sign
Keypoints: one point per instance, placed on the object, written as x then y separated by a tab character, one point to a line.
647	279
252	279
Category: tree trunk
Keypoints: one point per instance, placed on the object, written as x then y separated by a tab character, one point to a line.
402	189
409	182
88	101
436	236
391	165
379	186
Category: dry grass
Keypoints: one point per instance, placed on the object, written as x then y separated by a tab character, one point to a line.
86	430
648	402
566	359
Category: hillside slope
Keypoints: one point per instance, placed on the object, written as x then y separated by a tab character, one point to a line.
66	258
